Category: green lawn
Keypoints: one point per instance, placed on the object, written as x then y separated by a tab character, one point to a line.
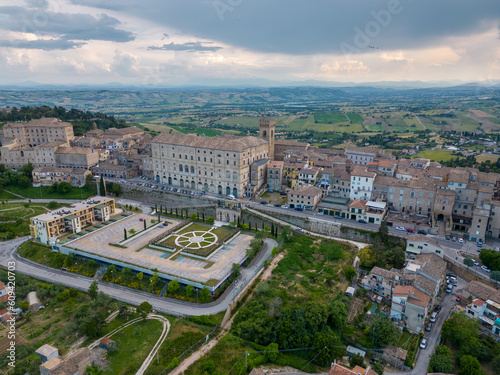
241	121
435	155
133	345
15	218
44	192
198	131
5	196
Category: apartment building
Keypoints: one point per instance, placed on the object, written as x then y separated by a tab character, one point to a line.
409	307
47	227
361	184
382	282
306	197
275	175
419	244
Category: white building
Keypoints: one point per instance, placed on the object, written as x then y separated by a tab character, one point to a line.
419	244
361	184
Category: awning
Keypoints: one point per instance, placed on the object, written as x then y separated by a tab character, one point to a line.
486	320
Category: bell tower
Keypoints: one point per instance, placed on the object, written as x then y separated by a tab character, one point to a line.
267	127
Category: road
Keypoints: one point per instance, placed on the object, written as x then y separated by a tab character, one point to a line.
162	304
434	336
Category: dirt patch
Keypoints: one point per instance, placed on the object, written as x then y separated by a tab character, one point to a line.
480	113
486	125
355	309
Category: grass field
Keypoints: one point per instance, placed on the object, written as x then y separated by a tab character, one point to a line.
355	117
198	131
483	158
44	192
15	218
133	345
5	196
330	118
435	155
241	121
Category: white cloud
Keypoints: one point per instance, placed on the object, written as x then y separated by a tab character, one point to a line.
349	67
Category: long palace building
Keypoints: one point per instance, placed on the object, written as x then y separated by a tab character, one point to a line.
221	165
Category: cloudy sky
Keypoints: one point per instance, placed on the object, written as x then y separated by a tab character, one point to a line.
176	42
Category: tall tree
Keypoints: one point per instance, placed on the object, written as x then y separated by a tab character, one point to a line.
102	187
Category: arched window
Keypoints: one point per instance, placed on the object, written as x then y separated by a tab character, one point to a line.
192	170
180	168
186	168
235	176
228	175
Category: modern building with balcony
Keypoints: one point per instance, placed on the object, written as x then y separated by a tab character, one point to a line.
47	227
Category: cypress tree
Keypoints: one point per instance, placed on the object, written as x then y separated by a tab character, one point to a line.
102	187
125	233
176	213
144	224
272	229
238	221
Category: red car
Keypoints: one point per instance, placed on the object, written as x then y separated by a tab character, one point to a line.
410	230
459	298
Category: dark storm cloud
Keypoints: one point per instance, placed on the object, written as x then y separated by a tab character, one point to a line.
62	26
189	47
320	26
47	45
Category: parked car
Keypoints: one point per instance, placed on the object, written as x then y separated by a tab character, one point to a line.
428	327
299	229
449	289
362	221
459	298
263	202
277	205
454	239
447	237
422	232
338	217
400	228
437	308
423	344
484	268
141	219
298	209
320	213
461	240
476	264
284	206
479	244
410	230
433	317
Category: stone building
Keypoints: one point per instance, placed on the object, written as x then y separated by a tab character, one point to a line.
222	165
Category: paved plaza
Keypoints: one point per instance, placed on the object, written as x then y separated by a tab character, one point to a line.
216	267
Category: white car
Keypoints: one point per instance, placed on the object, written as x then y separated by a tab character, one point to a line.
400	228
484	268
320	213
284	206
423	344
461	240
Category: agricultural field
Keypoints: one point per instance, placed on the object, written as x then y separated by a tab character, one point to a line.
330	118
482	158
435	155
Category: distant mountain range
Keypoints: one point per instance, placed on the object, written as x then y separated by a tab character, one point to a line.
257	83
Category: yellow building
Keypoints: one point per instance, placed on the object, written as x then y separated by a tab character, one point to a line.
45	228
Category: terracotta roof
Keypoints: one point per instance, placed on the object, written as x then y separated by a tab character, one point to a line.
422	238
2	286
485	292
106	341
310	191
4	311
382	272
424	284
386	163
290	142
276	164
358	203
414	296
478	302
225	142
46	121
365	150
74	150
361	171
